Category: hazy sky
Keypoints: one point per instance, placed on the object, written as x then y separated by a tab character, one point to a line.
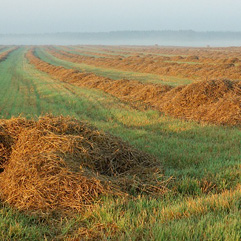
43	16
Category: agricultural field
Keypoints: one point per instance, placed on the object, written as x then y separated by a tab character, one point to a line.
120	143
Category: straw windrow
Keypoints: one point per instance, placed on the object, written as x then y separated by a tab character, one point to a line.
213	101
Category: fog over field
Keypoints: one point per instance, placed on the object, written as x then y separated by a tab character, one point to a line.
135	22
161	38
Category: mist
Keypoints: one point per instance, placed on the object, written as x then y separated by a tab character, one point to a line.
162	38
51	16
38	22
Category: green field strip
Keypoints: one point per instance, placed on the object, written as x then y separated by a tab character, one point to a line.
16	91
3	49
134	52
188	151
97	50
87	52
77	52
190	63
182	62
163	55
113	73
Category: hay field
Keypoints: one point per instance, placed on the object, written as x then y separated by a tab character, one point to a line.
120	143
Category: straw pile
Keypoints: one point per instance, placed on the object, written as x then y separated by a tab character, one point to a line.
215	101
59	163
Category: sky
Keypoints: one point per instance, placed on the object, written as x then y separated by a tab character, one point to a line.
52	16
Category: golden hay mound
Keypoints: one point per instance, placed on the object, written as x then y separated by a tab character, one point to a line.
61	163
215	101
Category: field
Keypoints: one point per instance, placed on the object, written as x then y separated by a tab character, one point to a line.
163	164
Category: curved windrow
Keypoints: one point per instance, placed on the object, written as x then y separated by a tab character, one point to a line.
213	101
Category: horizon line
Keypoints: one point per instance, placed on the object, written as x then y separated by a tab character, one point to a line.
115	31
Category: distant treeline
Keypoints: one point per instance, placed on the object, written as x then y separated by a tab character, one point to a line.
163	38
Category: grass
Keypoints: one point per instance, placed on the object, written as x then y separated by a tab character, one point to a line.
15	225
102	51
3	49
80	53
206	218
96	50
137	51
204	161
89	52
182	62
